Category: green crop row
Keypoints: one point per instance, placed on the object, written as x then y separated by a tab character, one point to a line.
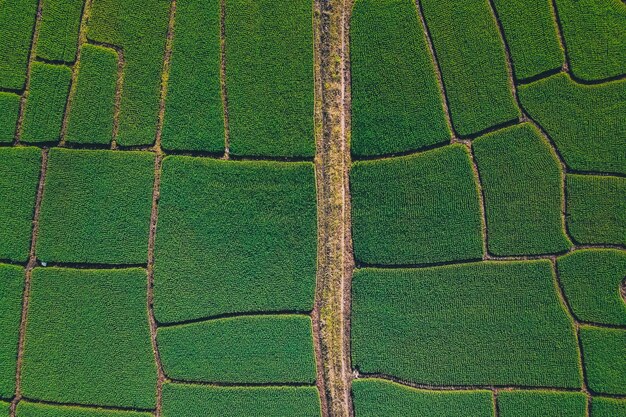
246	230
90	117
19	177
586	122
421	208
521	181
437	326
594	36
270	79
88	338
194	115
29	409
473	64
248	349
9	109
182	400
17	22
11	289
396	102
139	28
58	31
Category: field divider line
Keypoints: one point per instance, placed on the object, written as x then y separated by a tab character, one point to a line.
87	406
223	85
82	39
28	273
234	315
31	58
559	34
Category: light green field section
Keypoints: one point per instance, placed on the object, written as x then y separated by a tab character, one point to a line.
608	407
541	404
11	290
17	22
9	108
26	409
58	31
604	351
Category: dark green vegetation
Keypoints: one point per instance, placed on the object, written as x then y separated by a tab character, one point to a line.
521	180
88	338
194	118
96	207
269	76
43	115
90	118
139	28
380	398
58	33
19	177
586	122
472	59
11	286
594	36
604	351
436	326
244	230
396	102
596	209
591	280
9	107
420	208
26	409
4	409
181	400
608	407
17	20
541	404
531	33
249	349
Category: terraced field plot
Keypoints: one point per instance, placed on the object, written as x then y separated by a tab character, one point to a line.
286	208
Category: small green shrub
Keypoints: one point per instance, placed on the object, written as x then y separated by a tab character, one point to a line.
521	180
249	349
269	75
26	409
43	114
473	64
96	207
420	208
58	32
591	280
604	351
396	102
596	209
88	338
17	21
380	398
11	288
247	228
541	404
488	323
194	115
91	115
19	178
9	108
586	122
182	400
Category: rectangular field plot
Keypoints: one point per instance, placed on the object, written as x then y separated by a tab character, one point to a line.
11	288
604	351
26	409
396	102
586	122
249	349
96	207
379	398
234	237
194	115
436	326
416	209
19	178
17	22
5	409
182	400
473	64
522	185
269	77
608	407
88	338
541	404
9	108
90	119
58	33
139	29
43	114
